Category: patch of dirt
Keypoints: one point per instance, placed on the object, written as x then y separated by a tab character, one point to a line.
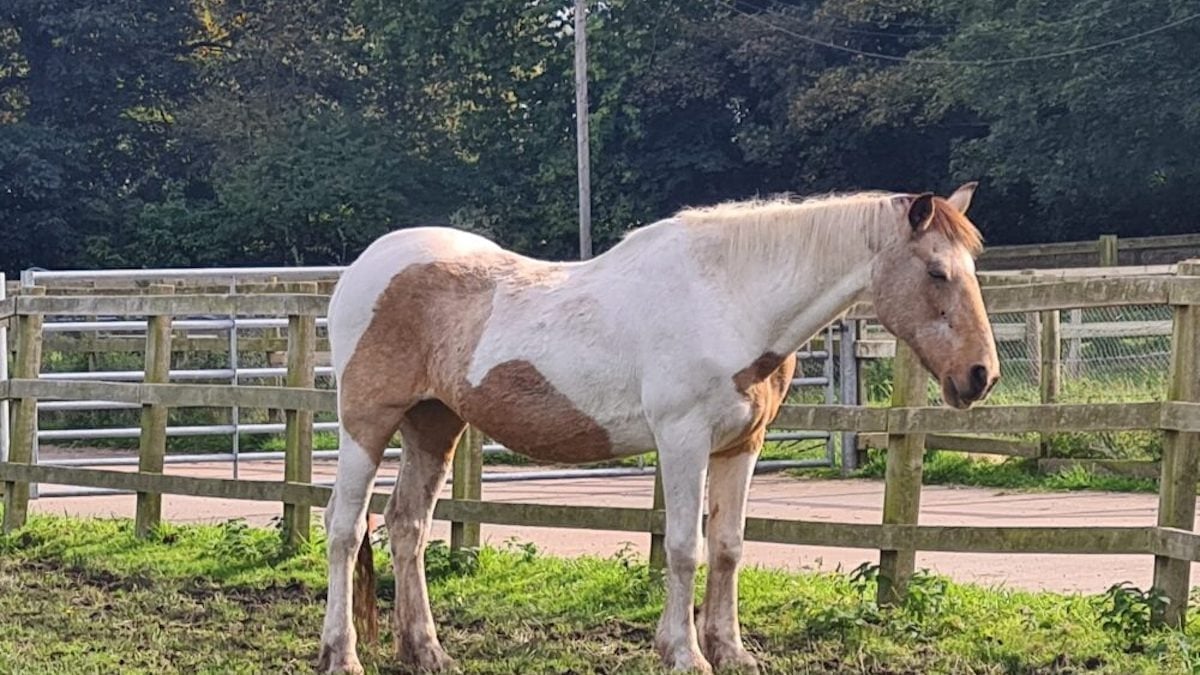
198	590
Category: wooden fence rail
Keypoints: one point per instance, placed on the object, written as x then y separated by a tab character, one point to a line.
1098	540
909	425
1107	250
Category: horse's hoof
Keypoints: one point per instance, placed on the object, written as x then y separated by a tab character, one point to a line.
695	664
430	660
733	658
338	662
685	661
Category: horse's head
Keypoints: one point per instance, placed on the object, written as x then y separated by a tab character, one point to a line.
925	292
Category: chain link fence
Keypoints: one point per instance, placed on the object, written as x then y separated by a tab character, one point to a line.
1107	355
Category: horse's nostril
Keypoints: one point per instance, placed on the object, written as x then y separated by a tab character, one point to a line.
979	378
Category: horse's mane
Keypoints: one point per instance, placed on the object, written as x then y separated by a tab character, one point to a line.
823	221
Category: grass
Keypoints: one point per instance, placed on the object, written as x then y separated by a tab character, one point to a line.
948	468
84	596
1018	388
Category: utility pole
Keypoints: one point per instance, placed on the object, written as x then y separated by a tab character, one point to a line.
581	131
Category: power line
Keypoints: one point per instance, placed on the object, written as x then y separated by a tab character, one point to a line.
846	24
815	25
961	62
875	33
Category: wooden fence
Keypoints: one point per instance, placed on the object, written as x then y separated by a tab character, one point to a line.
1105	251
906	424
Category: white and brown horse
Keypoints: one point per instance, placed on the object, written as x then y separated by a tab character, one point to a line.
680	339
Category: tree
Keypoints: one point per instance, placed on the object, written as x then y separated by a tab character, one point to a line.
1101	141
300	165
192	132
86	98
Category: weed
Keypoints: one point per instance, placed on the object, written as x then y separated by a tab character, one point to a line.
927	597
1126	613
442	562
526	549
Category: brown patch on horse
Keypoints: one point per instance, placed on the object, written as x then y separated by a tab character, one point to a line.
425	329
765	383
437	427
756	372
515	405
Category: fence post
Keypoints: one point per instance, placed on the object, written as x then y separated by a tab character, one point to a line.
24	423
1181	453
848	370
4	352
152	443
658	542
298	424
467	483
902	478
1075	345
1050	377
1108	249
1033	339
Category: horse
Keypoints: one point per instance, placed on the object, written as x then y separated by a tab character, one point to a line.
680	339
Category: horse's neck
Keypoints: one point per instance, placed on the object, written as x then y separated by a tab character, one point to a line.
789	319
787	300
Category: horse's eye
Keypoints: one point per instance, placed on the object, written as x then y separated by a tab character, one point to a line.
940	275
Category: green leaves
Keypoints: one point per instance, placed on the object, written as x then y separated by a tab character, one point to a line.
85	94
270	132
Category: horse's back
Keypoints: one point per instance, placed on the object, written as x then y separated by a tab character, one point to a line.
363	283
549	359
391	253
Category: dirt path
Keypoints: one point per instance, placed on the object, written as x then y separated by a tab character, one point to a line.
852	501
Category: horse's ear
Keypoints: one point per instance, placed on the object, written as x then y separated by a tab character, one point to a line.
961	199
920	211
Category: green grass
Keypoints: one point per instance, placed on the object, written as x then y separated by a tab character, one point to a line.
1018	388
948	468
84	596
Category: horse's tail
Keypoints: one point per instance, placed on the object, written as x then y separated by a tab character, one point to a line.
366	617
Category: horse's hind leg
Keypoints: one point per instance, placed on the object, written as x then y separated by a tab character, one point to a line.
430	431
346	528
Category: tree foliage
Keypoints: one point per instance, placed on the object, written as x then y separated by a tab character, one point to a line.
206	132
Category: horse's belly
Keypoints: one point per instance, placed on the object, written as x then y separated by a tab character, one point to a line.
515	405
554	445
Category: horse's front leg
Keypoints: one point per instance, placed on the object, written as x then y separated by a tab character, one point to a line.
729	475
683	457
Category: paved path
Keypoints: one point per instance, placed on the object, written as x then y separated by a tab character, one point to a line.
853	501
